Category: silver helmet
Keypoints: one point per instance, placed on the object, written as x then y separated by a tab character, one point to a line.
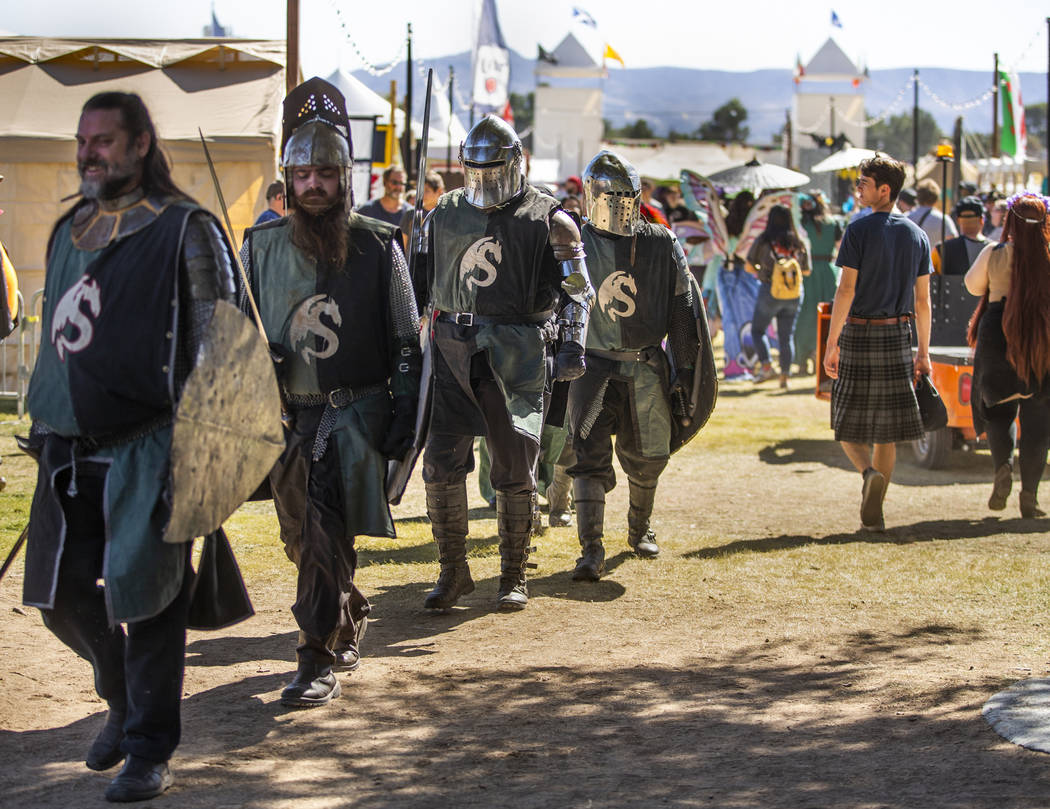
316	132
612	194
493	165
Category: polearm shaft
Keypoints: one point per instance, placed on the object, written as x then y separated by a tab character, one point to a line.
414	249
233	241
14	552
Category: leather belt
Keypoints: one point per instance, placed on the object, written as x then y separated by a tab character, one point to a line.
641	355
471	319
338	398
878	321
333	400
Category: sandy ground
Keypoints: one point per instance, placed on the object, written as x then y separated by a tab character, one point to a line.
771	657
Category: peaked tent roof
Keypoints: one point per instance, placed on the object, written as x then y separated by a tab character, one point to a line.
231	89
574	60
830	63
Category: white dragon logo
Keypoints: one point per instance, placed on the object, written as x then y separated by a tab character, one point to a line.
306	323
69	313
484	255
614	297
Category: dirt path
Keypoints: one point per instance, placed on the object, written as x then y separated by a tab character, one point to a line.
771	657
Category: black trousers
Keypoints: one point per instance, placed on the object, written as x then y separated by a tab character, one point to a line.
308	497
140	670
1035	437
449	457
594	454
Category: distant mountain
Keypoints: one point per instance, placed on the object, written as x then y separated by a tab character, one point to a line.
683	98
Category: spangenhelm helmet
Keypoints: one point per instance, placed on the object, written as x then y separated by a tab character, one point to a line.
493	164
316	132
612	194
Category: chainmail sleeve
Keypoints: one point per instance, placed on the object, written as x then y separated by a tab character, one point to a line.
206	277
682	335
406	362
246	263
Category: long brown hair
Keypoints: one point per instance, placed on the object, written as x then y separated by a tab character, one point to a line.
1026	324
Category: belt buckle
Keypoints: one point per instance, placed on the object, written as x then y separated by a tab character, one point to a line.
464	318
340	397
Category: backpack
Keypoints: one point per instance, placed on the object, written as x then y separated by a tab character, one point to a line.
786	281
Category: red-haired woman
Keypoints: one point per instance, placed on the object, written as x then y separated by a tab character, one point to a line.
1011	334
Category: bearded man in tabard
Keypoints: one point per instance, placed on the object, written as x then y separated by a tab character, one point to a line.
139	280
336	301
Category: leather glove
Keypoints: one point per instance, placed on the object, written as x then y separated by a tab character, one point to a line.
402	430
683	382
569	363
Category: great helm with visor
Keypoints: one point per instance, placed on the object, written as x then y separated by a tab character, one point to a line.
493	164
612	194
316	132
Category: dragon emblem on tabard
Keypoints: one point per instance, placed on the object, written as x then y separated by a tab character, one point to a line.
70	312
306	324
484	256
614	296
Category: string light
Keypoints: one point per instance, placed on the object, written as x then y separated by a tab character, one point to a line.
368	66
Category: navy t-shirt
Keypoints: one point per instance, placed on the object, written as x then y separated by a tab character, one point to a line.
889	252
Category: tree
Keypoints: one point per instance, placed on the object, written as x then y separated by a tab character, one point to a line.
726	124
524	109
894	135
639	130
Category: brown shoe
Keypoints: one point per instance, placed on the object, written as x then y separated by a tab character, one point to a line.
872	492
1004	479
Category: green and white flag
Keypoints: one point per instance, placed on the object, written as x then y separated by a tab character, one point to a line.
1013	137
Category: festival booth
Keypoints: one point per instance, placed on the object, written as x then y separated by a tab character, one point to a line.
231	89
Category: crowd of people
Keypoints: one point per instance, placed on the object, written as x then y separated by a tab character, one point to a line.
522	316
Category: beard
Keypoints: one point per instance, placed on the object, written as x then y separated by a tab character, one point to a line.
324	236
115	176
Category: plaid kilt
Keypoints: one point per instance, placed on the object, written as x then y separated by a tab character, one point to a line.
873	399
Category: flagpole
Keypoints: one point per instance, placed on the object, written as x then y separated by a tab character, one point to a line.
1046	131
451	112
406	150
995	108
915	126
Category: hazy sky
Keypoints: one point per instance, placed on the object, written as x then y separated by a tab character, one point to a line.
719	34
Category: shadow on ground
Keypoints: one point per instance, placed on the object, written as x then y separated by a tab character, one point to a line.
926	531
741	730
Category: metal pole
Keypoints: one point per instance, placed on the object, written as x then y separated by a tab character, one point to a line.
1046	118
995	108
407	149
451	108
787	137
832	119
291	68
915	124
944	212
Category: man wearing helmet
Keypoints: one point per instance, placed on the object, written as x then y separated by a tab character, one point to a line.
505	274
335	298
653	402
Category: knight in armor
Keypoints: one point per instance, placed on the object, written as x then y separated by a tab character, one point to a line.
652	401
337	304
508	285
137	274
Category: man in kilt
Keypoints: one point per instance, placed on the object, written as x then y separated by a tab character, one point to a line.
883	292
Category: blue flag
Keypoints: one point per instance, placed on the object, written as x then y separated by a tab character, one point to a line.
491	63
835	21
582	17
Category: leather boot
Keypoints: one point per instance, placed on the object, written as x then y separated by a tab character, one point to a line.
1004	478
639	535
139	780
589	495
314	685
348	652
1030	506
558	513
514	518
447	509
105	751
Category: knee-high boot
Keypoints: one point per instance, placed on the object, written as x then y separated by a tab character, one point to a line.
589	496
558	514
639	535
447	509
514	518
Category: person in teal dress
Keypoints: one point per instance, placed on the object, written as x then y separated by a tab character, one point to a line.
824	233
